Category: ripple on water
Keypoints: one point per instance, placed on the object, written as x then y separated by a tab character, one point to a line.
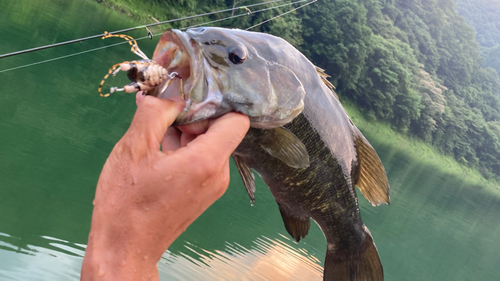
268	259
50	259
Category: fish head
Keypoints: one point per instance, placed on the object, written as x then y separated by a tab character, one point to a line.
222	70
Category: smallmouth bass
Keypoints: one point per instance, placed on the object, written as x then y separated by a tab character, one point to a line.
301	141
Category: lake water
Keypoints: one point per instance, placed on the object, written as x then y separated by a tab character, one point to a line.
56	132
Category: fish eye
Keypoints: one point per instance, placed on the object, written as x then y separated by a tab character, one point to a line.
237	55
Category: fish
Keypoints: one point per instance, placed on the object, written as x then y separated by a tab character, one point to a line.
301	141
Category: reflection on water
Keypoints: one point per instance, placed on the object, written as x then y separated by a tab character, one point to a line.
56	133
269	260
440	225
57	259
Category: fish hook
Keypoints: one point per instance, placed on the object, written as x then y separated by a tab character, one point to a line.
150	34
249	12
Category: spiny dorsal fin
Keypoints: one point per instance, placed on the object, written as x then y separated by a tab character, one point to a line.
246	175
296	227
372	181
324	78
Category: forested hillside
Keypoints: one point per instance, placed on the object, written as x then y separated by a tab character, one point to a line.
484	17
414	64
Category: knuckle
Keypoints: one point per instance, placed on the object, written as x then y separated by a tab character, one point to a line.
125	143
221	187
197	168
207	168
120	147
220	191
148	102
225	182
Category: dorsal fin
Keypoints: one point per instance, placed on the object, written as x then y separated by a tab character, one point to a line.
324	78
372	181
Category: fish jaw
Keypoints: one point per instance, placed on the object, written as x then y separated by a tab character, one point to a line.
191	78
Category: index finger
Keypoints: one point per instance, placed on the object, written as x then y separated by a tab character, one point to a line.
221	138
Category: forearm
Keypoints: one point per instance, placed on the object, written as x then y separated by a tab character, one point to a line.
107	265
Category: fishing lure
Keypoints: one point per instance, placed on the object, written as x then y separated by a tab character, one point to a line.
145	74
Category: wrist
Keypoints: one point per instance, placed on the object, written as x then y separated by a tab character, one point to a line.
115	253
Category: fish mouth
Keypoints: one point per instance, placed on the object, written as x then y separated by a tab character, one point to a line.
173	55
182	57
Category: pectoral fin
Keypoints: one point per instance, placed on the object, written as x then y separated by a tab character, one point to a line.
372	181
246	175
282	144
297	227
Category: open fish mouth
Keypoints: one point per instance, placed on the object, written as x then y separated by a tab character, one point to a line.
172	54
182	58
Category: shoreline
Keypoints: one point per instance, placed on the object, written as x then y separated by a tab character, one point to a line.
415	147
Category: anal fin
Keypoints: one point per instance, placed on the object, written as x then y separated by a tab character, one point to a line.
246	175
297	227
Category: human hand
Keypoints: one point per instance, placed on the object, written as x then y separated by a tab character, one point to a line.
146	198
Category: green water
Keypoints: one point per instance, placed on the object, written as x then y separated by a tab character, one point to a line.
56	132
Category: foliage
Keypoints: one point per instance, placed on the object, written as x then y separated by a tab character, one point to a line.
492	57
412	63
421	72
482	15
336	38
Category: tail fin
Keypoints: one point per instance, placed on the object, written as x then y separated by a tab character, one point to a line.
362	264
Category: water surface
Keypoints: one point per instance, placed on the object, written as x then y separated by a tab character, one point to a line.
56	133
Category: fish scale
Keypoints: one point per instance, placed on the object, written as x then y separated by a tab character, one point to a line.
324	193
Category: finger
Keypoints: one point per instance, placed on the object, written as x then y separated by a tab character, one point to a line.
219	183
196	128
139	97
222	137
225	173
150	123
171	140
187	138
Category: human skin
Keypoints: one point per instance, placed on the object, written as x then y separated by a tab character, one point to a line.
147	196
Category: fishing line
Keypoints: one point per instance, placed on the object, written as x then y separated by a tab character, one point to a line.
71	55
295	9
141	38
133	28
251	12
